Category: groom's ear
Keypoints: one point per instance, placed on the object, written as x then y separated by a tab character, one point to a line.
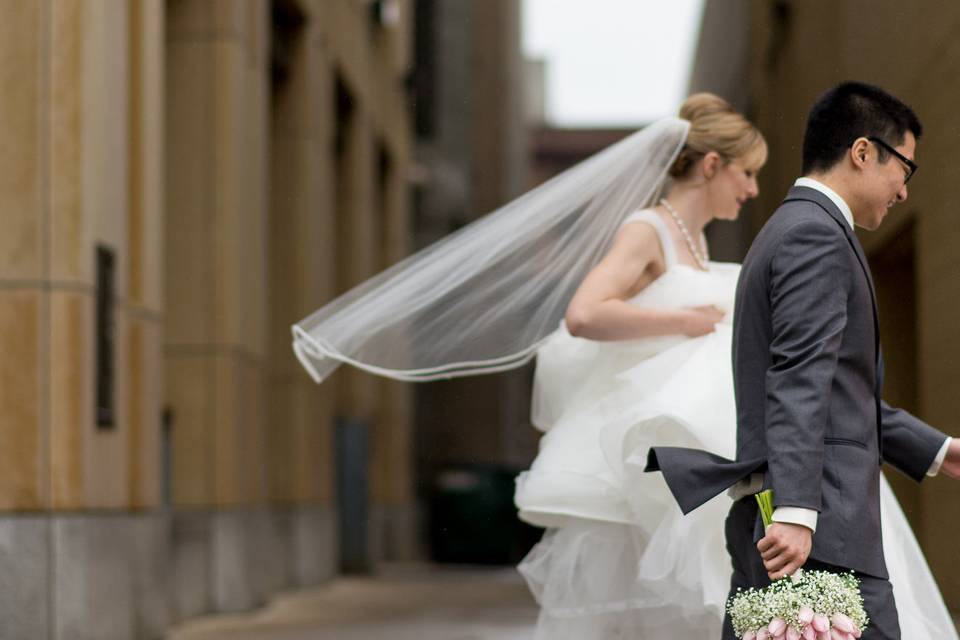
859	152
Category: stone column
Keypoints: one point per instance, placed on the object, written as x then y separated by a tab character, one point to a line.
104	189
371	148
24	318
216	297
80	131
356	397
302	276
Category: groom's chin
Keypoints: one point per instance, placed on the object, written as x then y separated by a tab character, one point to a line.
873	223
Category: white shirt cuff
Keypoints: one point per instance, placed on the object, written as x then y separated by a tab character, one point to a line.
797	515
941	456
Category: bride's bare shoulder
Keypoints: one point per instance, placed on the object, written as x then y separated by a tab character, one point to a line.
640	233
636	251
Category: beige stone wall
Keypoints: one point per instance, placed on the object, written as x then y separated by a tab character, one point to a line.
302	268
152	127
81	128
156	129
371	217
796	55
216	260
265	223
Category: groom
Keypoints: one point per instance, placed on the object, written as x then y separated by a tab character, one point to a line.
808	371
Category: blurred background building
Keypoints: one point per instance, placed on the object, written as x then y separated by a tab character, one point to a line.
181	180
473	434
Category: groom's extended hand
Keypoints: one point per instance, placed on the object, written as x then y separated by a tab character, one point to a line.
785	548
951	463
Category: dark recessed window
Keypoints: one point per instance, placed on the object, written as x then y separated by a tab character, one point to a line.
424	74
287	21
106	335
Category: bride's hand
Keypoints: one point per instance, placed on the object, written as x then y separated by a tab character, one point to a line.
699	321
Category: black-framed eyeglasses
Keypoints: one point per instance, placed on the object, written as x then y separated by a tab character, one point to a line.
911	165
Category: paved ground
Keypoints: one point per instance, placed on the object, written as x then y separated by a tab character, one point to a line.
400	603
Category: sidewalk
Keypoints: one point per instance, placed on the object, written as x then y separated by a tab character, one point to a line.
400	603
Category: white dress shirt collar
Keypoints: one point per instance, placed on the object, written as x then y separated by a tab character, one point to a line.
830	193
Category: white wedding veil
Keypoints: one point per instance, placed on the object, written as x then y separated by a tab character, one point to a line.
484	298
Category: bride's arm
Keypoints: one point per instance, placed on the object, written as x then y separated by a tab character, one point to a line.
599	311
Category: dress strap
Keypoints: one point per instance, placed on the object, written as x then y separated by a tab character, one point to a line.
650	217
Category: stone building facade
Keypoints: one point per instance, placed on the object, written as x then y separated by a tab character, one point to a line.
180	181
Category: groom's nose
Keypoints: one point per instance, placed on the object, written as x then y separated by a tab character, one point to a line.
902	194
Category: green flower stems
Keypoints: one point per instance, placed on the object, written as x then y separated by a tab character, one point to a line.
765	500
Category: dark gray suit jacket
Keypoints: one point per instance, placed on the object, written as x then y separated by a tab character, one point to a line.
808	375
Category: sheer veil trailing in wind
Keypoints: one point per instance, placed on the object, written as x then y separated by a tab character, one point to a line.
483	299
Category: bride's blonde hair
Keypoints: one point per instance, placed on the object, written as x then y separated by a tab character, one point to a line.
716	126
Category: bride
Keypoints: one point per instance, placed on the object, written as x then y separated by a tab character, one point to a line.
642	357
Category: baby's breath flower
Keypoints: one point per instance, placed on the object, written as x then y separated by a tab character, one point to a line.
824	592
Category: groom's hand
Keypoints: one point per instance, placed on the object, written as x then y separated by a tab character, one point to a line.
785	548
951	463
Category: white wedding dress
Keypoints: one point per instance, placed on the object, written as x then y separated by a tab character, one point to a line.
618	559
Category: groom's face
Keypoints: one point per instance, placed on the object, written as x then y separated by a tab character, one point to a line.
884	183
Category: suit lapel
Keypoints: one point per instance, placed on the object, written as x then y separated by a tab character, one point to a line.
821	200
825	203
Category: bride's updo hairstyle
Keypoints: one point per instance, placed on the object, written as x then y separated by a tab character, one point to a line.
716	126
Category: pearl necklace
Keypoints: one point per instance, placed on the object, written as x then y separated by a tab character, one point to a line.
698	257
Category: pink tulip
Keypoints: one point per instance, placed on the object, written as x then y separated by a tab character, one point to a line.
823	635
821	624
749	635
836	634
777	627
793	633
763	634
808	633
843	623
856	632
805	615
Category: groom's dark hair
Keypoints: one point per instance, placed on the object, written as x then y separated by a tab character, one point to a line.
849	111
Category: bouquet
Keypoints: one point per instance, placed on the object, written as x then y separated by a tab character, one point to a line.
809	605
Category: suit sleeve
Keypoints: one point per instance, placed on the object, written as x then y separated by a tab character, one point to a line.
909	444
809	285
